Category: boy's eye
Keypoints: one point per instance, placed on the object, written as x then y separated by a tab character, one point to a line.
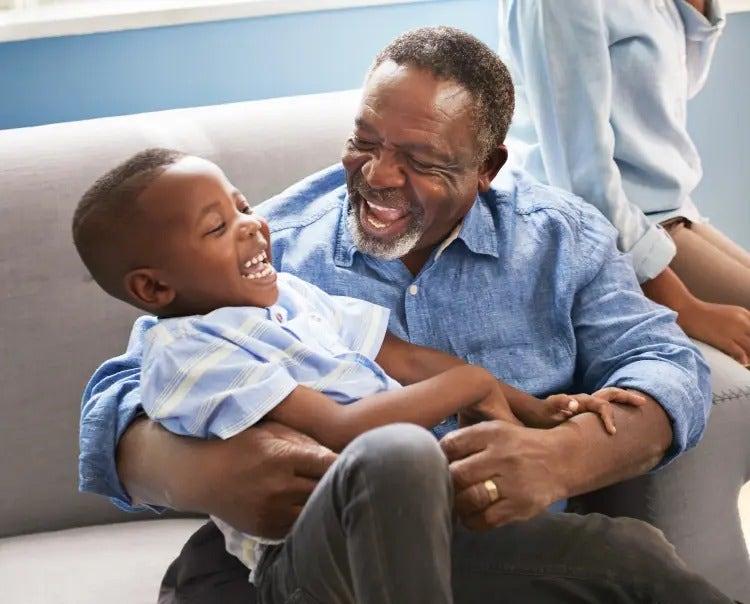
217	230
246	209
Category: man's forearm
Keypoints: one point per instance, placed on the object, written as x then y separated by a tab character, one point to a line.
593	459
151	459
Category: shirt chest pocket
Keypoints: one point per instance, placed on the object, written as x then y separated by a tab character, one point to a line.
529	367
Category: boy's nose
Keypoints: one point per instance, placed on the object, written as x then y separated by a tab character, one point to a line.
248	226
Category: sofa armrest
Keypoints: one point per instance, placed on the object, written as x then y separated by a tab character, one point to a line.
694	499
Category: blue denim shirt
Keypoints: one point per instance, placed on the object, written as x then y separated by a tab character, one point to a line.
531	286
601	98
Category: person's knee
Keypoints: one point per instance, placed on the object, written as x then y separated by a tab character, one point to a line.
397	456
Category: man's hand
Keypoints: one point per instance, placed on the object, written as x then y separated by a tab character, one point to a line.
259	480
522	463
534	468
723	326
558	408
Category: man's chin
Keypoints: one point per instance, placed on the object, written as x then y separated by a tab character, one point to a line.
389	247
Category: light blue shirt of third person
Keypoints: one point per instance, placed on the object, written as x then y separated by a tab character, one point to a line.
601	97
530	286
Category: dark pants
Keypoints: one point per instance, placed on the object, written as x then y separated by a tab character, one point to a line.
378	529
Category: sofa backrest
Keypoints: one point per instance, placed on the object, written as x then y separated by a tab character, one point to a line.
57	325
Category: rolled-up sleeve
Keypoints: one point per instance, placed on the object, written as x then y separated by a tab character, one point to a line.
111	401
568	88
626	340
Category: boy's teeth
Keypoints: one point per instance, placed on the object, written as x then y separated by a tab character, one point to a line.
263	273
260	257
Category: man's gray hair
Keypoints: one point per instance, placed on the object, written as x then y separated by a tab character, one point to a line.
451	54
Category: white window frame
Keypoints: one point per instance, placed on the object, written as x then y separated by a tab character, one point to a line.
73	17
27	19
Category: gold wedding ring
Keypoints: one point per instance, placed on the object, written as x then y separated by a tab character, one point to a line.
492	491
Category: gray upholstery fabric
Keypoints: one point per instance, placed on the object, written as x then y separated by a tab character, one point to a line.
108	564
694	499
57	327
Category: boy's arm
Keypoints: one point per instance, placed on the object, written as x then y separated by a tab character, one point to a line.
408	363
424	403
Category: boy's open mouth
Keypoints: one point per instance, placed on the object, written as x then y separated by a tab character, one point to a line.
257	267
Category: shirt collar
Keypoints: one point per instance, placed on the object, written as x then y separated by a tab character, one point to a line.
343	254
477	231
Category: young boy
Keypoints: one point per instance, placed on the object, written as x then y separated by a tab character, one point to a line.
237	342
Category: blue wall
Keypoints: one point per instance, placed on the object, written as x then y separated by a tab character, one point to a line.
76	77
719	121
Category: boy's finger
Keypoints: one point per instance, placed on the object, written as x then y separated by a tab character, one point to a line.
608	417
618	395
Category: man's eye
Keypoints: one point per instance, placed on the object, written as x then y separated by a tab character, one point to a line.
217	230
361	144
246	209
421	166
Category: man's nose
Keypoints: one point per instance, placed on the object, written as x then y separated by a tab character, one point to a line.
384	171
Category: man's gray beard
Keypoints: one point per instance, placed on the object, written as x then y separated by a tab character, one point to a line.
385	250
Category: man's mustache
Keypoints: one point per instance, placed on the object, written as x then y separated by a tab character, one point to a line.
387	197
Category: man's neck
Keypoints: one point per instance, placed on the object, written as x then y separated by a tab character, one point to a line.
416	259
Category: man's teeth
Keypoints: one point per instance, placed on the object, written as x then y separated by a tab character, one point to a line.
376	223
255	259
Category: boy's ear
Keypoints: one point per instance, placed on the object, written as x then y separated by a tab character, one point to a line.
146	287
491	165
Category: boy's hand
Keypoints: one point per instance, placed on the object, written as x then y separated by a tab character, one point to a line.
493	406
558	408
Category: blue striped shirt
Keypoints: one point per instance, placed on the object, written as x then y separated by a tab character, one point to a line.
215	375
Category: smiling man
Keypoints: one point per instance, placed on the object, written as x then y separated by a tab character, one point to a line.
522	279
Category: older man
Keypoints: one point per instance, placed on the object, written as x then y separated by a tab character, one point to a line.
520	278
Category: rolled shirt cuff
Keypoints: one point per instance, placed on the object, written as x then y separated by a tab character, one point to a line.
687	403
652	253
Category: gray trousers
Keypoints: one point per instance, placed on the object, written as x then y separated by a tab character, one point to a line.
379	529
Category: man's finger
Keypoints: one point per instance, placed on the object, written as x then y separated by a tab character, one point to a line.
310	460
299	490
503	511
472	499
465	441
471	470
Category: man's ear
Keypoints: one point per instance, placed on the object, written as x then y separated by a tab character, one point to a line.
491	165
146	287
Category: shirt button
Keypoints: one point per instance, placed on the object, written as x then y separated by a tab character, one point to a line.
278	317
413	289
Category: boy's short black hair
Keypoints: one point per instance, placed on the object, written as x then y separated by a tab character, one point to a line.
105	219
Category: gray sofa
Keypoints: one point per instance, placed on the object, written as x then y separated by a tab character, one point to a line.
57	545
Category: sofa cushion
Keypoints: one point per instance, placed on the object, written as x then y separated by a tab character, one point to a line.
112	563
